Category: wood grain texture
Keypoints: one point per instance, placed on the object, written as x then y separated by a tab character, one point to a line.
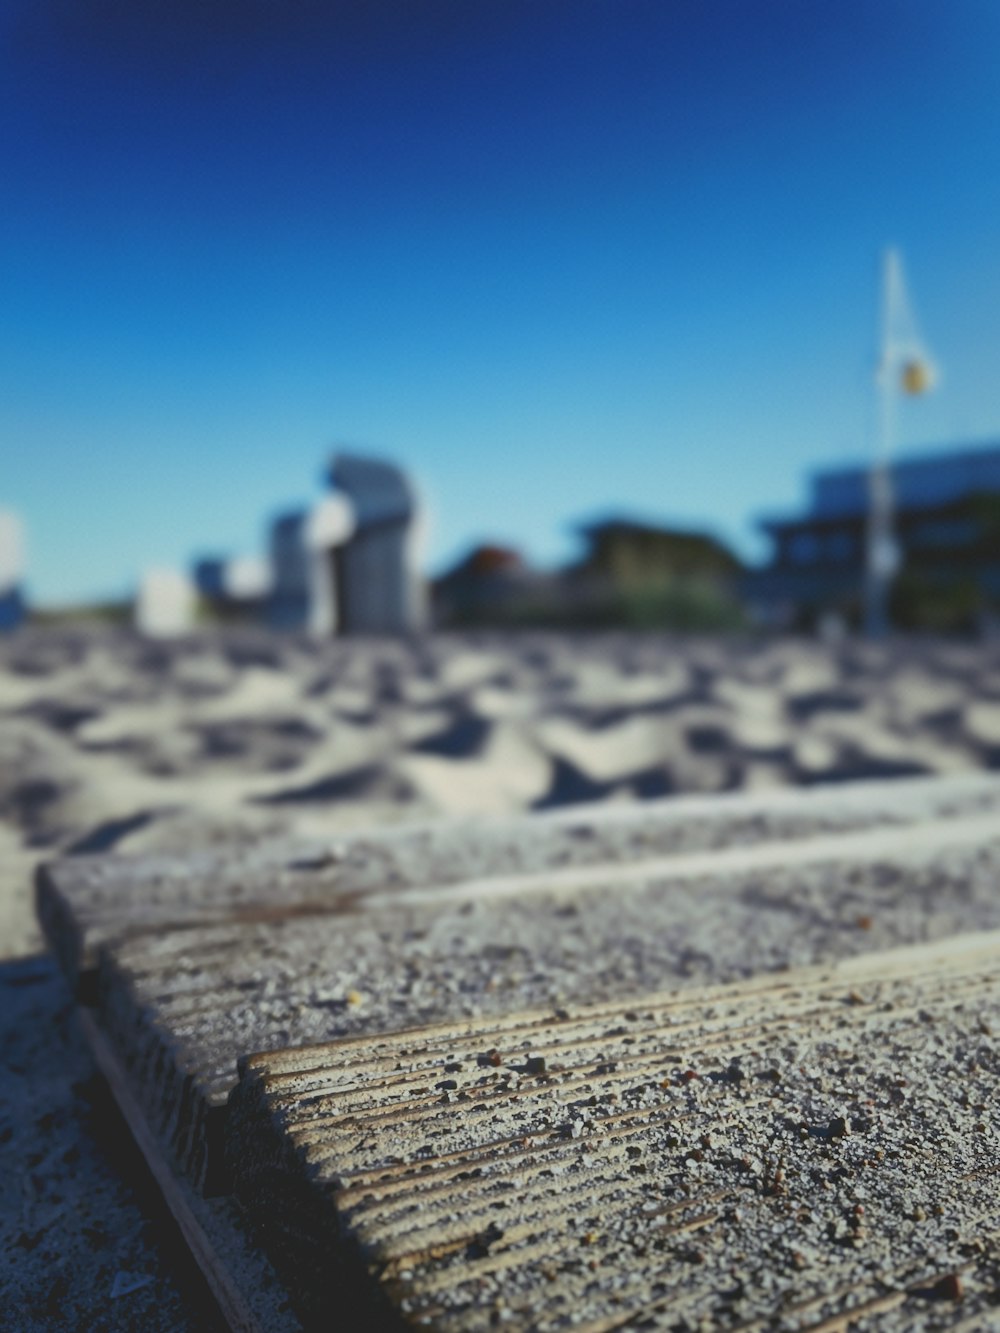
86	902
458	1040
812	1152
249	1295
182	1006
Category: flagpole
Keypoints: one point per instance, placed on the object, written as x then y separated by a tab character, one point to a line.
880	561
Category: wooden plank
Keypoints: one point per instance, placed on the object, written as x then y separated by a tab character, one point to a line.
85	902
182	1006
249	1295
806	1152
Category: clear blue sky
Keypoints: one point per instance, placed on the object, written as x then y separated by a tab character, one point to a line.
556	256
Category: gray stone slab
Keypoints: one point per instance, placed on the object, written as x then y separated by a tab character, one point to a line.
816	1151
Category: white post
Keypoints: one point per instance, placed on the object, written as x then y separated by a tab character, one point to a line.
881	555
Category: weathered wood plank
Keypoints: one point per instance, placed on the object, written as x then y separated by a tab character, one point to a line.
182	997
85	902
182	1006
249	1295
811	1152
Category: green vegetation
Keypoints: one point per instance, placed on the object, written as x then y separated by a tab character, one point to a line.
104	613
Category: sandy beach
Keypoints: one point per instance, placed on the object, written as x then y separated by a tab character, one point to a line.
114	745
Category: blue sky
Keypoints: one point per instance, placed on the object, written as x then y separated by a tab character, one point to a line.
558	257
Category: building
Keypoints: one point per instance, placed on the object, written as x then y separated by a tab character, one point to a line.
490	585
643	576
625	552
631	575
947	532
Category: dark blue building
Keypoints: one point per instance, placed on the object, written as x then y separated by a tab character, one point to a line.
947	530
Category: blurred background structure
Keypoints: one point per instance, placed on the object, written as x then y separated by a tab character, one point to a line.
903	367
12	608
234	589
631	575
347	564
947	532
350	563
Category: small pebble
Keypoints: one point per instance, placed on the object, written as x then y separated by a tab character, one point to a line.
948	1288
